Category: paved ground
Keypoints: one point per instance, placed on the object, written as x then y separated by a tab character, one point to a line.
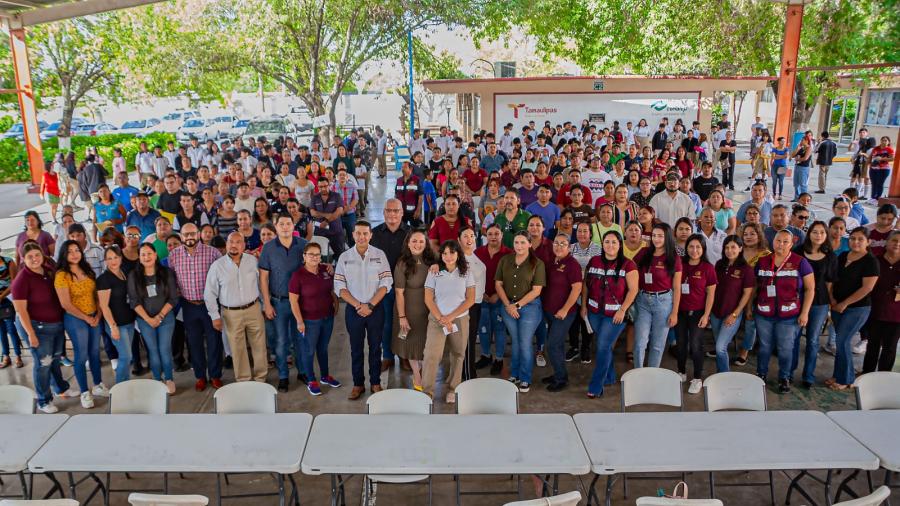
315	490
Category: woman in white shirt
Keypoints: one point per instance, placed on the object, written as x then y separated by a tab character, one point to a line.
468	242
642	133
448	296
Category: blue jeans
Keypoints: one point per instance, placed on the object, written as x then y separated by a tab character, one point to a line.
777	183
317	337
348	221
817	316
364	330
801	180
605	332
846	325
388	302
540	333
159	346
775	332
287	336
724	335
123	346
651	326
204	342
556	344
51	342
9	334
749	334
86	340
492	324
521	334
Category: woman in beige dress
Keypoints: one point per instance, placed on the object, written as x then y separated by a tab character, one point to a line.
410	313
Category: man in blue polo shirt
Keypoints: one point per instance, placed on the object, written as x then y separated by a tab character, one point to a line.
548	211
142	216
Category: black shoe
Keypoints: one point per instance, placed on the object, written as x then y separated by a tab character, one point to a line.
806	385
183	367
496	367
820	192
548	380
138	371
586	357
302	378
556	387
228	363
483	362
283	385
740	362
673	349
784	386
571	354
761	376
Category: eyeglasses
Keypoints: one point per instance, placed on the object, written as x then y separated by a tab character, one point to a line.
133	236
803	218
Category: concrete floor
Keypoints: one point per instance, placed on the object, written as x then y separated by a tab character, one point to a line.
315	490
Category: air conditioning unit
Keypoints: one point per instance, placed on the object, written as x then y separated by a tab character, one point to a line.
505	69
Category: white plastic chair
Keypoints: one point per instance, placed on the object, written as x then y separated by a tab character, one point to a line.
874	499
651	385
397	401
487	396
665	501
878	390
39	502
167	500
246	397
139	397
570	499
16	400
323	245
736	391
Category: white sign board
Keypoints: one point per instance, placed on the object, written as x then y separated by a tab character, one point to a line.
557	108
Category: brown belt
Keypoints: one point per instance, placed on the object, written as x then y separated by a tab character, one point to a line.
238	308
196	302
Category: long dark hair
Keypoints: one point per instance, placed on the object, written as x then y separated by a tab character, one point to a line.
722	264
63	264
807	246
407	257
668	249
620	257
532	260
453	245
162	273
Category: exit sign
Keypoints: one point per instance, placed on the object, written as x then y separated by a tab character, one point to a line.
598	85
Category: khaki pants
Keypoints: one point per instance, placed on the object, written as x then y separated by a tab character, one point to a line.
823	176
243	326
382	165
435	341
644	142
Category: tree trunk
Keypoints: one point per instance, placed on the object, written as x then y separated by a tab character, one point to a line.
64	133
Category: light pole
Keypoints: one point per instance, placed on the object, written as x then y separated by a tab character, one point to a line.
412	102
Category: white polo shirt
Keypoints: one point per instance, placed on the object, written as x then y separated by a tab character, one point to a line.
449	288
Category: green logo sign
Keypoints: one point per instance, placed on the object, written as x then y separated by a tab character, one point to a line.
659	105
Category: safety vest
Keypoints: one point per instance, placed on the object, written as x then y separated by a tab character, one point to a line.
606	286
778	286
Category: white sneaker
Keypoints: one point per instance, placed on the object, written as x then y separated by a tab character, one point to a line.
71	393
540	360
87	365
48	408
830	349
860	348
696	386
114	363
87	400
100	390
683	377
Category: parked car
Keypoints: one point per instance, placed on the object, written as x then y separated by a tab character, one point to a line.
237	128
172	121
17	131
221	126
94	129
140	127
51	130
271	128
202	129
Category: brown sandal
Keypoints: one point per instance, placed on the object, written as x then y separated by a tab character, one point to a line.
5	362
837	387
830	381
19	363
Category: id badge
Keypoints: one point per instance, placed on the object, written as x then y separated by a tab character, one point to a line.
685	288
770	290
648	278
151	290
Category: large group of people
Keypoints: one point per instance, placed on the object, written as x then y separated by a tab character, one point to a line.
557	240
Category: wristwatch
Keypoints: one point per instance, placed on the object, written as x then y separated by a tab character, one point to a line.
517	305
370	306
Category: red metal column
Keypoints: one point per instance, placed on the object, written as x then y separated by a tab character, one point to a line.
793	23
26	100
894	188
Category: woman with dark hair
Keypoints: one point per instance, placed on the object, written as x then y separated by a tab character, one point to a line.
851	303
684	165
698	293
34	231
684	229
153	294
262	213
468	241
344	157
112	293
837	235
884	320
410	313
566	225
657	304
647	219
560	304
519	280
609	290
736	280
76	289
448	296
817	251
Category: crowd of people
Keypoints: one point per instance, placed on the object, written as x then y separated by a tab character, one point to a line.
556	240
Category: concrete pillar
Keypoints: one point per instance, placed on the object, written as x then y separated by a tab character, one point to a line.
27	106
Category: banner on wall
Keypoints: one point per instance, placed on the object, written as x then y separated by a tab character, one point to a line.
601	109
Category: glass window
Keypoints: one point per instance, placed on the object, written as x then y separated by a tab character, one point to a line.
883	108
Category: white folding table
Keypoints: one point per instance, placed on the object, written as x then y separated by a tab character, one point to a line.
721	441
23	436
540	444
877	431
177	443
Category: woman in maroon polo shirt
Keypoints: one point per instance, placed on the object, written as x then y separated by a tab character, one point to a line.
698	292
311	293
736	280
884	321
560	308
657	303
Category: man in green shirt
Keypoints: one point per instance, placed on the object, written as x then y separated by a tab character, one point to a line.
512	219
616	155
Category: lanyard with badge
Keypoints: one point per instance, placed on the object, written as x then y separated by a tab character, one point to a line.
770	288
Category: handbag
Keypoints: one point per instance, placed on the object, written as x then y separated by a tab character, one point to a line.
675	494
